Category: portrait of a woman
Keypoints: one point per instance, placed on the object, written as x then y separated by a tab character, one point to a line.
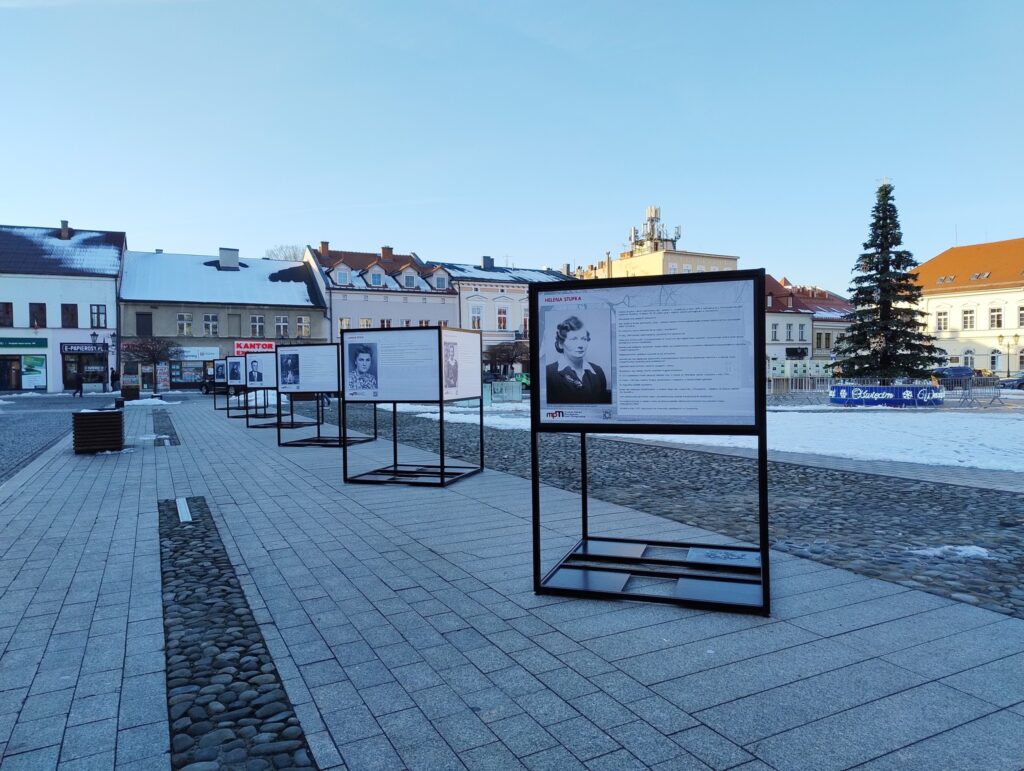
573	379
361	377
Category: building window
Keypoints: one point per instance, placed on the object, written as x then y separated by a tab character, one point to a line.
37	315
410	281
476	314
144	324
994	363
502	318
365	323
442	323
673	269
775	332
405	322
941	321
700	268
968	319
995	318
687	268
1020	316
526	322
69	315
302	326
344	323
385	323
969	358
424	322
375	279
281	326
828	341
184	325
819	339
211	327
441	282
98	316
257	325
342	277
803	335
6	314
789	332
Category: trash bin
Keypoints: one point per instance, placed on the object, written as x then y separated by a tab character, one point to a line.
97	431
129	393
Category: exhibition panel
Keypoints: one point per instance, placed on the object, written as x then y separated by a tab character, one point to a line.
652	355
236	385
220	383
260	381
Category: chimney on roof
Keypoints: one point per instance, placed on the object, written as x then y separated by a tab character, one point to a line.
387	253
325	249
228	259
487	263
159	251
65	231
565	269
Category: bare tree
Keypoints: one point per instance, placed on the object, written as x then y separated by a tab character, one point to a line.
150	350
505	355
289	252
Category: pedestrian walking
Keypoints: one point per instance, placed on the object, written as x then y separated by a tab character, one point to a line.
115	380
79	386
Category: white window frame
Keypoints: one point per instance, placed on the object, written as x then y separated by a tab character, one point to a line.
257	325
995	318
476	316
302	326
211	325
941	321
184	324
281	324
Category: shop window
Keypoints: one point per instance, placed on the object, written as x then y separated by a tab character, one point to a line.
184	325
968	318
302	326
502	318
281	326
98	316
69	315
6	314
256	326
476	314
211	325
144	324
37	315
995	318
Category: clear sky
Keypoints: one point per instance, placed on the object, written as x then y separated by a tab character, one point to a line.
533	131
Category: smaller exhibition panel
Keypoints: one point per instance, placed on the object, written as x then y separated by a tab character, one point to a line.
236	365
307	368
260	370
646	356
235	385
423	365
220	382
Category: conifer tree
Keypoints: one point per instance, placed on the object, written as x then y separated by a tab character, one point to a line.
887	338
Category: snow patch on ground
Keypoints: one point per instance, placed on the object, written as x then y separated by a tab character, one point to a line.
968	552
147	403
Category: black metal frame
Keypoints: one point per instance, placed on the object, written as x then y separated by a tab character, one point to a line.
239	388
708	576
224	385
259	411
420	474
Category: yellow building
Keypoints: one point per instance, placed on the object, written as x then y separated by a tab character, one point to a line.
653	253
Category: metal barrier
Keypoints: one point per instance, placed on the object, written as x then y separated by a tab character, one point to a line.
969	392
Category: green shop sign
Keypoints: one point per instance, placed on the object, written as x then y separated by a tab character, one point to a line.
24	342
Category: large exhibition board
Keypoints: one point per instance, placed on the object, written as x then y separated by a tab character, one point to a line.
261	370
391	365
220	371
660	351
307	368
461	364
236	365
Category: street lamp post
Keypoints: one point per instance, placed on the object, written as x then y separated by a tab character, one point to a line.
1010	343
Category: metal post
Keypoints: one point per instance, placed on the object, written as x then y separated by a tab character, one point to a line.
394	434
584	525
535	496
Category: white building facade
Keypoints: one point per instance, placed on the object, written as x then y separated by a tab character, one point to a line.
58	307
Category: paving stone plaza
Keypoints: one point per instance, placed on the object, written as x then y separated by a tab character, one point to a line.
300	622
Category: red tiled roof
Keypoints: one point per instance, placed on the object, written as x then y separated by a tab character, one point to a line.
995	265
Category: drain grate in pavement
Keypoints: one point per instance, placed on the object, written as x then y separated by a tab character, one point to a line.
226	703
163	427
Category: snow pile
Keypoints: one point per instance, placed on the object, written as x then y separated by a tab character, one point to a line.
125	451
967	552
257	399
147	403
3	402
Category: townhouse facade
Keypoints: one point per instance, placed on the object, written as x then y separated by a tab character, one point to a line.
213	307
384	290
58	307
973	298
803	325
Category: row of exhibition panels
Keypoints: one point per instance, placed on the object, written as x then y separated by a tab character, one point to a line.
658	355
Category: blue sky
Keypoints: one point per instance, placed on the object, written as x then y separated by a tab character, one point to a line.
534	132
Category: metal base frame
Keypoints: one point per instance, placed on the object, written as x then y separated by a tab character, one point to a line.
697	575
239	413
422	474
319	440
259	411
217	389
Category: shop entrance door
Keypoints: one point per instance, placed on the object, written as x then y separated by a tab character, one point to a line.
10	373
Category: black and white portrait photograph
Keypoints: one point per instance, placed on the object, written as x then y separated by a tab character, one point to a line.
235	371
451	365
577	349
254	376
362	367
289	369
219	373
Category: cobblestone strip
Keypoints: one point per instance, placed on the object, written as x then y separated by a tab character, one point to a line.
226	703
882	527
163	426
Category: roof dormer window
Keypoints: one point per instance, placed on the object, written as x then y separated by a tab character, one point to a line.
410	281
441	282
375	279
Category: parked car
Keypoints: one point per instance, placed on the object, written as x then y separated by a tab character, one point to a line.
952	373
491	377
1016	380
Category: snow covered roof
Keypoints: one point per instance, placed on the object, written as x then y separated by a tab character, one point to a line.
42	251
505	275
192	278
